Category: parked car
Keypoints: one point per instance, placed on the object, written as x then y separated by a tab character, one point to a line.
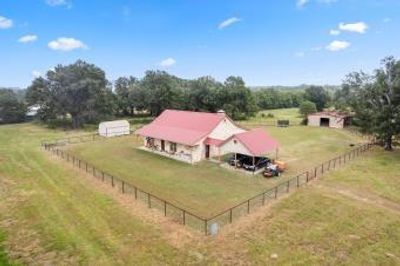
259	162
239	160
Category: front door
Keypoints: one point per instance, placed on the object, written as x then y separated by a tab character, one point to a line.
207	151
163	145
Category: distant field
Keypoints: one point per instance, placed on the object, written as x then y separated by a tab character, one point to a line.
50	214
202	188
268	116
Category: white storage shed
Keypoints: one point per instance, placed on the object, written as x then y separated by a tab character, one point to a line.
114	128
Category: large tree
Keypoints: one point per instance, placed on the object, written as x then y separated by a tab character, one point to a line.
79	90
236	99
376	100
11	109
317	95
162	91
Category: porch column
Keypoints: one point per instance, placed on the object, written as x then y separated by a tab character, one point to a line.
235	160
254	164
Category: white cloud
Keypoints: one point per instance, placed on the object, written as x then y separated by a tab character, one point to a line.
36	74
338	45
167	62
299	54
334	32
28	38
5	23
359	27
301	3
228	22
57	2
386	20
66	44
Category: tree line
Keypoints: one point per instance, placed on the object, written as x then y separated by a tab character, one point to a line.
80	93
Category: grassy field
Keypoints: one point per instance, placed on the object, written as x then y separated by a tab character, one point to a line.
50	214
202	188
269	116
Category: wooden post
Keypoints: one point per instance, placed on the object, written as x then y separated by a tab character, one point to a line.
183	217
205	227
102	176
248	206
315	172
322	169
287	186
112	181
307	177
230	216
165	208
135	192
86	167
149	199
123	187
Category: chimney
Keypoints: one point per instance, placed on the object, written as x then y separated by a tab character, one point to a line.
221	113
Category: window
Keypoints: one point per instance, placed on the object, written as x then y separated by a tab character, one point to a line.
172	147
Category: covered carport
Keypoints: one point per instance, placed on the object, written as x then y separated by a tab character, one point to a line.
253	143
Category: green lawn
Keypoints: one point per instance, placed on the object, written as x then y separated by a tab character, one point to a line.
206	188
269	116
50	214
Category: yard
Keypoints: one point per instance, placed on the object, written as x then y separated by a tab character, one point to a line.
206	188
50	213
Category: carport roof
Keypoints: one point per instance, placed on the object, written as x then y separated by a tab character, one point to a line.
256	141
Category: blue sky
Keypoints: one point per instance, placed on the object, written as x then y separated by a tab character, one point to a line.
267	42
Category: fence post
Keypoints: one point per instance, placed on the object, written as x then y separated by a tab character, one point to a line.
135	192
334	163
307	177
183	217
86	167
205	226
329	165
112	181
248	206
322	169
123	187
149	199
165	208
315	172
230	216
102	176
93	171
287	186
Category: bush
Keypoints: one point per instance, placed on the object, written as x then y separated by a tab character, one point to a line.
307	108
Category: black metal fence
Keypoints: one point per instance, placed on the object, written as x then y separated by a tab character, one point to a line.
178	214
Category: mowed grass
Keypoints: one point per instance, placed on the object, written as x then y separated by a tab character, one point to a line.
206	188
270	116
50	214
321	225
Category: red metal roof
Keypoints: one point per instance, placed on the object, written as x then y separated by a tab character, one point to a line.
257	141
182	127
214	142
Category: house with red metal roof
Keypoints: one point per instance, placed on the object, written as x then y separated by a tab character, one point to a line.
193	136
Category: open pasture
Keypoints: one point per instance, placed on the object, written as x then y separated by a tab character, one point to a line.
206	188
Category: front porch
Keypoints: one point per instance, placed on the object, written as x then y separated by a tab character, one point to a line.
180	156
